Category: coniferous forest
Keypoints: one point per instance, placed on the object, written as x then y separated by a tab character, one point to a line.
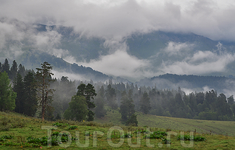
39	94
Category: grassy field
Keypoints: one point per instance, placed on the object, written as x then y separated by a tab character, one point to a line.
16	132
201	126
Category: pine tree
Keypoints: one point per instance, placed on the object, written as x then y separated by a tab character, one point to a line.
6	67
230	100
30	94
43	78
21	70
19	89
13	71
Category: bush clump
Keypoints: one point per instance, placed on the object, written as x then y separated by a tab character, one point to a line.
73	127
188	138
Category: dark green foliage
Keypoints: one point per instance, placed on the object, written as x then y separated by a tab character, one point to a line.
132	120
188	138
4	137
54	139
88	92
73	127
230	100
209	115
6	67
222	106
156	135
20	99
13	71
30	95
22	70
26	100
57	124
7	96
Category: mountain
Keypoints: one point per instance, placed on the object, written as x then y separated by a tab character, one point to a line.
164	51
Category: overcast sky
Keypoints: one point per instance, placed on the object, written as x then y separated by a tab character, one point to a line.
115	19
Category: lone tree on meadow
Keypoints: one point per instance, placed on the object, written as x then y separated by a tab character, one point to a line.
43	77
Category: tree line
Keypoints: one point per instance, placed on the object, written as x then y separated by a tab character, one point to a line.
38	94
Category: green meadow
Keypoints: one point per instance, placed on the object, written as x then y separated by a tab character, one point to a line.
153	132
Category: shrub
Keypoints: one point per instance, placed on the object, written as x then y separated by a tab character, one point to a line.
187	138
156	135
73	127
57	124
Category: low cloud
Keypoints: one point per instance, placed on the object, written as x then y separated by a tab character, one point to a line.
198	63
119	63
16	37
174	48
71	76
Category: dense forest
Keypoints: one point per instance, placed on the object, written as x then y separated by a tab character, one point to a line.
38	94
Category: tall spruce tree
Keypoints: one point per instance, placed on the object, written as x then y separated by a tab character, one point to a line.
19	89
30	94
21	70
6	67
43	78
13	70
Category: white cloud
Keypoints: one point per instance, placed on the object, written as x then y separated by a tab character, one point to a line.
177	48
199	63
119	63
71	76
15	36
